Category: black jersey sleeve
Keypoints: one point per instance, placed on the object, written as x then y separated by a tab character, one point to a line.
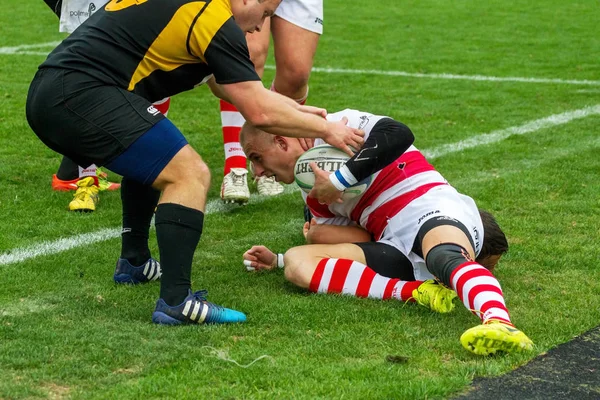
388	140
228	57
55	6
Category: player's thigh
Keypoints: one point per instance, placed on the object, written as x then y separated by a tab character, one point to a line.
294	47
84	119
92	123
159	156
446	234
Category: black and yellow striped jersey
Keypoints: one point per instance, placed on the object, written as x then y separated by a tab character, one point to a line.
158	48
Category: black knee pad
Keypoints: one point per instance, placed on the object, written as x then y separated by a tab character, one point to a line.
443	259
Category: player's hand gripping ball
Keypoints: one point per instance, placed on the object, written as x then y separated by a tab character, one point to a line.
329	159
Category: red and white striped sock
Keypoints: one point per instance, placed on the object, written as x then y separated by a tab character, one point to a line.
349	277
163	105
232	121
480	292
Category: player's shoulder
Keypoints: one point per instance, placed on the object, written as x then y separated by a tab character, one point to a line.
348	113
356	118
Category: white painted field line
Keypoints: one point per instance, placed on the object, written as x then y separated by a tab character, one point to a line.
496	136
68	243
451	76
216	206
57	246
27	50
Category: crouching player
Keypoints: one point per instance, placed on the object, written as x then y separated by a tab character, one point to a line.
412	213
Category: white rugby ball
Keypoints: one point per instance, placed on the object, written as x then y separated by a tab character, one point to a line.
329	159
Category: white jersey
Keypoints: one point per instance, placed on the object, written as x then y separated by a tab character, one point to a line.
74	13
399	199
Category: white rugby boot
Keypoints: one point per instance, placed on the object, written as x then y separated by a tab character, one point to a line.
234	188
268	186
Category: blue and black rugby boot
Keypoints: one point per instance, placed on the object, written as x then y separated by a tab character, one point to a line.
127	273
195	309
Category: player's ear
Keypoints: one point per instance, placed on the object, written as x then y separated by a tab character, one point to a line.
281	142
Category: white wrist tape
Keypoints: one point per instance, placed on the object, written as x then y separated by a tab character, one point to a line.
280	260
342	178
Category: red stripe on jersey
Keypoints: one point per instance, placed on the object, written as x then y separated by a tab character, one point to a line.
389	288
231	134
315	281
364	284
338	276
319	210
407	165
225	106
378	219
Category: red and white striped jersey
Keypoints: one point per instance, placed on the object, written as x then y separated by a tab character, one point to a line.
388	191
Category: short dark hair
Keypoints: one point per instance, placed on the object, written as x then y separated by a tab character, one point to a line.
494	240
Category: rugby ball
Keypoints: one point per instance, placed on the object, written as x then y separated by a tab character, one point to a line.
329	159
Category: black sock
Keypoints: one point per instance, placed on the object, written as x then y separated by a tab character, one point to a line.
178	231
67	170
139	202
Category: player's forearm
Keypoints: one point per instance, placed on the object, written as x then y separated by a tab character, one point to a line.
388	140
279	115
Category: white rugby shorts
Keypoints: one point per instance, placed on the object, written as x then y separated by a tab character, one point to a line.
445	201
307	14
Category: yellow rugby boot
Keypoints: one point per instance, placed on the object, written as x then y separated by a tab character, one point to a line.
432	295
86	196
495	336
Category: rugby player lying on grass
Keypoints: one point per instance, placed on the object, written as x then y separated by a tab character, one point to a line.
412	213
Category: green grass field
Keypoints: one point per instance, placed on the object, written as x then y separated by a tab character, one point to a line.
444	69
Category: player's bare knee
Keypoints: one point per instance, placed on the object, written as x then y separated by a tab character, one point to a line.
188	171
294	268
292	79
201	173
196	174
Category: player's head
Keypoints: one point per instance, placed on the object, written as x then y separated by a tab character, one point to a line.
250	14
270	155
494	241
